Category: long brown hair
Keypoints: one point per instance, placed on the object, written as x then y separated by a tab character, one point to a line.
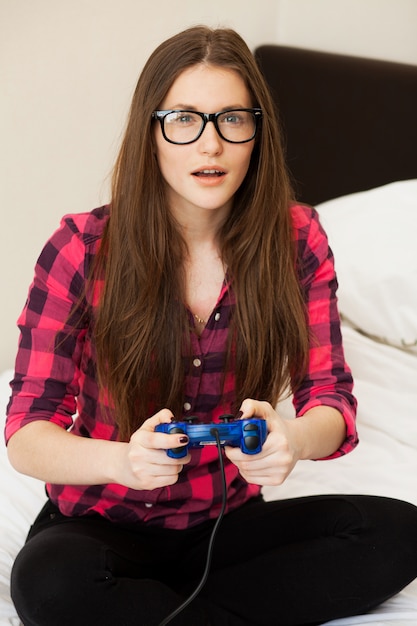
140	323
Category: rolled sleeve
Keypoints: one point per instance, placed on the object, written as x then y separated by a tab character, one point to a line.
328	381
52	331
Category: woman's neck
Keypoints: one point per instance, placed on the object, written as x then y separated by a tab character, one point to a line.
200	226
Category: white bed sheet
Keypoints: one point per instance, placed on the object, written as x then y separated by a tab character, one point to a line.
385	463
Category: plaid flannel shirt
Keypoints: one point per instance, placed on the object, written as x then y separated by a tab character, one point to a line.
55	375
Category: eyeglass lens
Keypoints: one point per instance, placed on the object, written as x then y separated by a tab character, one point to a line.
185	126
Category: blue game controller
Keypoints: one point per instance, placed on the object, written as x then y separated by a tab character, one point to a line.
247	434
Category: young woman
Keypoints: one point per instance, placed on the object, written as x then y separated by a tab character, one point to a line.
202	289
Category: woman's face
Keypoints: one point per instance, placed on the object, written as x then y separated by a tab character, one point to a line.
205	174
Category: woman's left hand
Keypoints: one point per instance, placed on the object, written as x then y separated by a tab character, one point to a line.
279	453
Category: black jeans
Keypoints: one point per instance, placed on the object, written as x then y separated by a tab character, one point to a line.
290	562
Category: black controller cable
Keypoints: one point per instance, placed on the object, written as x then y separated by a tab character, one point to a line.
203	580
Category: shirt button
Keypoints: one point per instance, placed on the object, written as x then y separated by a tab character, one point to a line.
217	317
148	505
197	363
187	406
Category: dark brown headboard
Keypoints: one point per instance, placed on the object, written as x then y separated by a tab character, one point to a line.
349	123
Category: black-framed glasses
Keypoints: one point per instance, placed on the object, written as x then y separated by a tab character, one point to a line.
233	125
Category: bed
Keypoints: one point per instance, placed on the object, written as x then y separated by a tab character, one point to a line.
351	135
350	132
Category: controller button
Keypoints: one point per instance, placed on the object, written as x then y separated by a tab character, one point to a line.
251	443
192	419
250	427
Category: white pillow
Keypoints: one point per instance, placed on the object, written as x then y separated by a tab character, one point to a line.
373	235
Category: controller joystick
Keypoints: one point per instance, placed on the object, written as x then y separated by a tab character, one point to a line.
176	453
248	434
226	417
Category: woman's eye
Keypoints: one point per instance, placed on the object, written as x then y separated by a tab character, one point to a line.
232	119
185	118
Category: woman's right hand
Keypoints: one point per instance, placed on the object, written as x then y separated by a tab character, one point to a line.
48	452
144	463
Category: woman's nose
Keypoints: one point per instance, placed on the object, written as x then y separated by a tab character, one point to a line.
210	141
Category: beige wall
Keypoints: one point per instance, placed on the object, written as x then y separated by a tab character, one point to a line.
382	29
67	71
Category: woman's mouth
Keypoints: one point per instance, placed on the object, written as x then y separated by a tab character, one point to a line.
209	173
